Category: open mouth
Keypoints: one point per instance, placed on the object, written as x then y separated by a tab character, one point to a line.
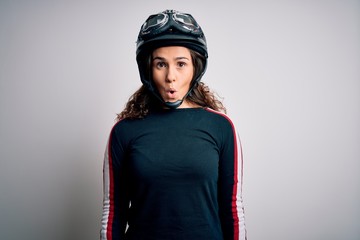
171	93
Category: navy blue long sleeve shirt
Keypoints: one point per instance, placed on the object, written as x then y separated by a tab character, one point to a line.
176	174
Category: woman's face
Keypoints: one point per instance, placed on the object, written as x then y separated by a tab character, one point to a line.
172	72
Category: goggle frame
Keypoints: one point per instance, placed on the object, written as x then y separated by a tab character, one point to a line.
183	22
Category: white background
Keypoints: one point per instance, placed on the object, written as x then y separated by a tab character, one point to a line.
289	73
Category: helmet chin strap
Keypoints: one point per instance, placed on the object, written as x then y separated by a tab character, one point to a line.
173	105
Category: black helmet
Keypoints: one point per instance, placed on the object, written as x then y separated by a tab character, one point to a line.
169	28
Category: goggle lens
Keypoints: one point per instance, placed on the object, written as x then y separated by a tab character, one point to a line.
185	19
154	20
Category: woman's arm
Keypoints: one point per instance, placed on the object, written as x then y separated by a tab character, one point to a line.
115	190
230	187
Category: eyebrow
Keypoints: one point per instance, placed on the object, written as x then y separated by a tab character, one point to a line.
177	58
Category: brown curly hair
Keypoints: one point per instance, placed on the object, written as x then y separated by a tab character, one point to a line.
143	101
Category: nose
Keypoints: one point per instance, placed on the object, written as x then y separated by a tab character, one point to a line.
170	75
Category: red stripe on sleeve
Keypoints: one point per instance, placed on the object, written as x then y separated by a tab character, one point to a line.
111	193
234	195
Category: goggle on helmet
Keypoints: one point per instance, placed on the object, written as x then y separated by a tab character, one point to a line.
169	28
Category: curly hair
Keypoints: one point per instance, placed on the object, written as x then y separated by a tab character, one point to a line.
142	102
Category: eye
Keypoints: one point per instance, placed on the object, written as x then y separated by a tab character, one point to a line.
160	64
181	64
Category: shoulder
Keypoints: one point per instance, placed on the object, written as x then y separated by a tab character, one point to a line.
219	116
125	127
121	124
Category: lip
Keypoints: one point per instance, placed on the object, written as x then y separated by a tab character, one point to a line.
171	92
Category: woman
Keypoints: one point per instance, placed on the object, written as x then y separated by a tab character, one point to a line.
173	165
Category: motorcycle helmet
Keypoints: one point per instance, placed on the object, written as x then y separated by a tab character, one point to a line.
169	28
